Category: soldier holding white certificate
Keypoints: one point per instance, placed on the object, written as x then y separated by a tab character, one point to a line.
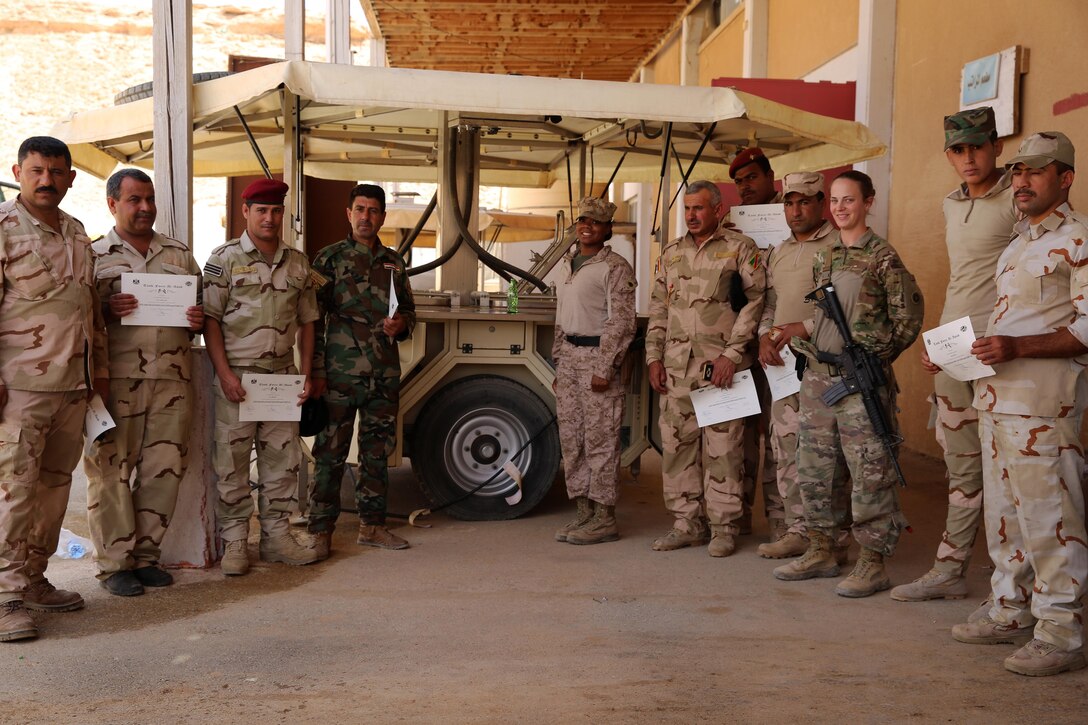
259	299
134	469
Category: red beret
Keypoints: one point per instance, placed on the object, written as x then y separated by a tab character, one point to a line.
265	191
745	157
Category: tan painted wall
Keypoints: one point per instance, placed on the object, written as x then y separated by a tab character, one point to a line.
722	53
933	41
829	28
666	64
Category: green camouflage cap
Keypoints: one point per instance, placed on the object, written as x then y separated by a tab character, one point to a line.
974	126
597	209
1040	149
806	183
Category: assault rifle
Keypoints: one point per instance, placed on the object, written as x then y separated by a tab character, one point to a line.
862	372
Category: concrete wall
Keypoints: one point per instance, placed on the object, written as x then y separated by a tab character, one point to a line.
828	28
722	53
934	39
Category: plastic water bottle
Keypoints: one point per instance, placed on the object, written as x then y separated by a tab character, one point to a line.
72	546
512	298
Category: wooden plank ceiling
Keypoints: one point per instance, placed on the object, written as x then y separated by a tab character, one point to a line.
602	40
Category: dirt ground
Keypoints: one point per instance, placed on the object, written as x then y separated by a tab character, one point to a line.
496	622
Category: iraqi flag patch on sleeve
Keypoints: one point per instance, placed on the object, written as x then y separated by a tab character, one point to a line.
213	269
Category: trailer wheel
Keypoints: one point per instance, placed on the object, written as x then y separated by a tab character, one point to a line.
466	433
144	90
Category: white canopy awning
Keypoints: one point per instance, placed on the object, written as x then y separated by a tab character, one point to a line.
382	124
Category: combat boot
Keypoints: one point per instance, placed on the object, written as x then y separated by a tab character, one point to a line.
982	610
41	596
599	529
931	585
677	539
284	549
777	531
1039	659
791	544
235	558
867	578
581	518
380	537
817	561
988	631
323	544
15	622
722	543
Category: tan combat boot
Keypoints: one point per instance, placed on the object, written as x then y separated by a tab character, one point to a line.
380	537
41	596
817	561
15	623
933	584
323	544
235	558
722	543
599	529
777	530
867	578
285	549
1039	659
790	544
677	539
581	518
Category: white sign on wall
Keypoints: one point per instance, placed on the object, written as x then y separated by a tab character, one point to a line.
995	81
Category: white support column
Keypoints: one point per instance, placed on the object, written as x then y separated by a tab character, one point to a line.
172	64
294	30
338	31
644	260
378	58
873	105
756	22
190	540
691	35
461	272
292	174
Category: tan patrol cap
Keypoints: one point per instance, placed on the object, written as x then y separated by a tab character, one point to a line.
1039	149
974	126
806	183
597	209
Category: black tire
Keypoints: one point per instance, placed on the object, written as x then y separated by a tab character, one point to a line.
468	430
144	90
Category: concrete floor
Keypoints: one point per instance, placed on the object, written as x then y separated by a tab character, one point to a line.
496	622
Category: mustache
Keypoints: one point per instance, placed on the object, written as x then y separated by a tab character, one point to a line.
47	188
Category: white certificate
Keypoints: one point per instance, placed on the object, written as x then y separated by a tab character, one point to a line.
765	223
783	380
271	397
162	298
949	346
96	422
717	405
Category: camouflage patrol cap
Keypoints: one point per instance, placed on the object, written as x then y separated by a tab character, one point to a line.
974	126
1039	149
597	209
806	183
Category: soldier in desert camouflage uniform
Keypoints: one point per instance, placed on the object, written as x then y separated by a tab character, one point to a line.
594	325
692	326
52	346
357	366
751	171
979	216
134	469
1030	415
883	307
258	300
785	313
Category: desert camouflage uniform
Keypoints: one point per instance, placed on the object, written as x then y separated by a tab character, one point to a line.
883	306
978	230
757	434
260	306
596	300
789	279
52	342
361	365
1030	414
134	470
691	323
